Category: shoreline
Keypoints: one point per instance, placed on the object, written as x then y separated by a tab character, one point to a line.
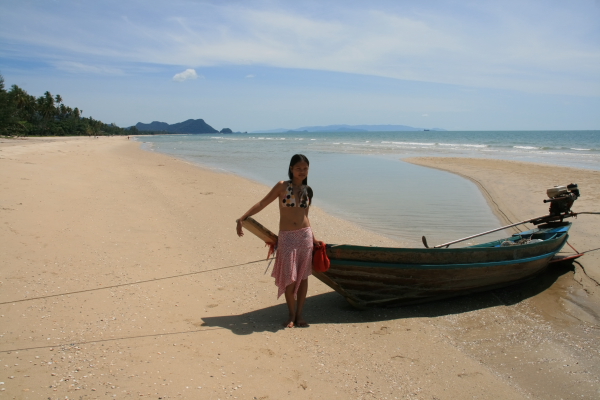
515	191
143	289
501	211
497	192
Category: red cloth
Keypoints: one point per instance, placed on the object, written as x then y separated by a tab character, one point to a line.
272	247
321	262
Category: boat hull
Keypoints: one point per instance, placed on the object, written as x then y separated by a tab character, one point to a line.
368	276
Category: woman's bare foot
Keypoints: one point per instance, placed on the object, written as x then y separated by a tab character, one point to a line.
300	323
289	324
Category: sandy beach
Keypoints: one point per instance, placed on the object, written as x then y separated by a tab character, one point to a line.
121	276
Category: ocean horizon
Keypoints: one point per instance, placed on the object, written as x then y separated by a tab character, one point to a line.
361	176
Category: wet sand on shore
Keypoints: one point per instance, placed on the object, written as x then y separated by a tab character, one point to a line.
121	276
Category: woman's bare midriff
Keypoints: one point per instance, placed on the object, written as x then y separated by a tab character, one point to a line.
292	218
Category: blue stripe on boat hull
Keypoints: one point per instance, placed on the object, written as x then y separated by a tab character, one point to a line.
439	266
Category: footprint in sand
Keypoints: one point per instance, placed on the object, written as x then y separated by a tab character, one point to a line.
469	375
268	352
404	358
384	330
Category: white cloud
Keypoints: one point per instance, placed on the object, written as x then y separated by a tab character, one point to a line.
509	52
512	45
185	75
250	76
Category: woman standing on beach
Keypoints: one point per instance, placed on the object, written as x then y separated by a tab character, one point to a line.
293	262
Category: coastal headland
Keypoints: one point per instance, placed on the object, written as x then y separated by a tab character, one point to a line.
121	276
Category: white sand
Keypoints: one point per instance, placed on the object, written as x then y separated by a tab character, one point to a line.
84	219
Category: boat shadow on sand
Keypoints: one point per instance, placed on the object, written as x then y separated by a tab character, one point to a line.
332	308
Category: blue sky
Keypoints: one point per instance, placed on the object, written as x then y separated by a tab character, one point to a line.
248	65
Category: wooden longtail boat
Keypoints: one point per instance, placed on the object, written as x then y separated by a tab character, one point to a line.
369	276
384	276
379	276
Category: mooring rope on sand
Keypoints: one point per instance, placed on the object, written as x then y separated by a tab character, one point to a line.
114	339
129	284
585	272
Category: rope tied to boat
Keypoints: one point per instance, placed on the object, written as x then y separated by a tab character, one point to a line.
589	251
131	283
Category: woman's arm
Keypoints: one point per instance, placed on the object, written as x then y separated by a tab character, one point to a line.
258	207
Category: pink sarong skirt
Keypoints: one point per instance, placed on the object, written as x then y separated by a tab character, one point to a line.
293	262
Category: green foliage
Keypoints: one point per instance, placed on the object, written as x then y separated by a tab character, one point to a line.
24	115
7	111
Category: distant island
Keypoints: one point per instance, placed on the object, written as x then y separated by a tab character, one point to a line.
191	126
349	128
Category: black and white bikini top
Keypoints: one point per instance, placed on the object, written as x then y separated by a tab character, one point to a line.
289	200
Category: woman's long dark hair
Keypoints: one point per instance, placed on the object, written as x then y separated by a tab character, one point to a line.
296	158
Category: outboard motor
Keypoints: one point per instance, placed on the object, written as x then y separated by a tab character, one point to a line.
561	198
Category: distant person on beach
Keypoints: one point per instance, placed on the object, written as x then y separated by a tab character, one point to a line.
293	260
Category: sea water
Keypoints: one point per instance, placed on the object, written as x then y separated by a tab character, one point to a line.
360	176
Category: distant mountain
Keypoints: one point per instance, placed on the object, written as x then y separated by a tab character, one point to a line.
349	128
189	126
153	126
